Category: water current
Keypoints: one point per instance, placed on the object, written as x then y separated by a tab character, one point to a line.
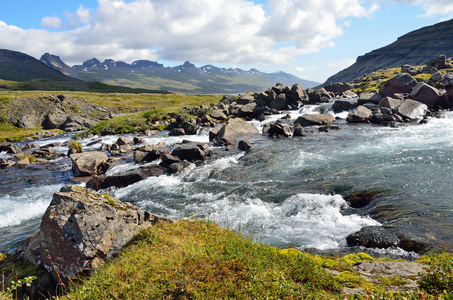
285	192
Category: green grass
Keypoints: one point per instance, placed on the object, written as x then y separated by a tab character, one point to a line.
200	260
147	108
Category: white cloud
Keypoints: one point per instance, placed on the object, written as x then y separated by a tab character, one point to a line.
432	7
202	31
51	22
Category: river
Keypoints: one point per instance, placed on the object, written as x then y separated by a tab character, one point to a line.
284	192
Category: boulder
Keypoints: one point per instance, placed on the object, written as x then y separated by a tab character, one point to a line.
314	119
9	148
23	163
29	146
298	92
359	115
247	110
410	70
426	94
177	132
280	102
390	103
192	152
403	83
45	152
279	129
409	238
4	164
123	141
80	230
233	130
245	99
88	163
244	145
77	123
338	87
125	179
374	98
412	110
218	114
439	63
299	130
343	105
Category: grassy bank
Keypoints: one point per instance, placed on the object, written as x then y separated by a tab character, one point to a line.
200	260
117	102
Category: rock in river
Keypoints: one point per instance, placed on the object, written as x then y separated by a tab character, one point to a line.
80	229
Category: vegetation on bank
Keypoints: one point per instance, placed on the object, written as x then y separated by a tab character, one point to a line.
135	105
374	81
200	260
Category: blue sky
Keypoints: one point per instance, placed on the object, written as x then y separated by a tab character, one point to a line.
312	39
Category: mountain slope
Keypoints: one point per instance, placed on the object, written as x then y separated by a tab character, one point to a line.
186	78
27	73
17	66
414	48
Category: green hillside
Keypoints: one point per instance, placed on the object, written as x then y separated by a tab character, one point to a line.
414	48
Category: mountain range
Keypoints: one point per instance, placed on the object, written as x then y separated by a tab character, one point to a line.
414	48
185	78
23	72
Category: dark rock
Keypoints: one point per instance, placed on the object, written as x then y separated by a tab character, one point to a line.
343	105
299	93
219	114
374	98
410	70
314	119
77	123
402	83
29	146
123	141
245	99
338	87
439	63
299	130
169	159
436	77
44	152
138	140
191	152
9	148
359	115
248	110
177	167
79	230
279	103
390	103
4	164
125	179
177	132
409	238
88	163
191	127
244	145
426	94
278	129
373	237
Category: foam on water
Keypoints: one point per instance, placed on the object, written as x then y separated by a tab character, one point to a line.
311	220
25	204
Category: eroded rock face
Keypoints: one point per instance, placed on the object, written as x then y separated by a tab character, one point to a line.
80	229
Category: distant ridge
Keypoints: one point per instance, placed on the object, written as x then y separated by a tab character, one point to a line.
185	78
414	48
17	66
27	73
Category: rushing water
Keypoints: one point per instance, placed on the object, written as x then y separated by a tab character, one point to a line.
284	192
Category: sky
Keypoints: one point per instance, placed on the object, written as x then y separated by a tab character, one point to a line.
312	39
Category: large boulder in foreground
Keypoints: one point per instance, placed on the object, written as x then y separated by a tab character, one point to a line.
232	131
359	115
314	119
80	229
88	163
